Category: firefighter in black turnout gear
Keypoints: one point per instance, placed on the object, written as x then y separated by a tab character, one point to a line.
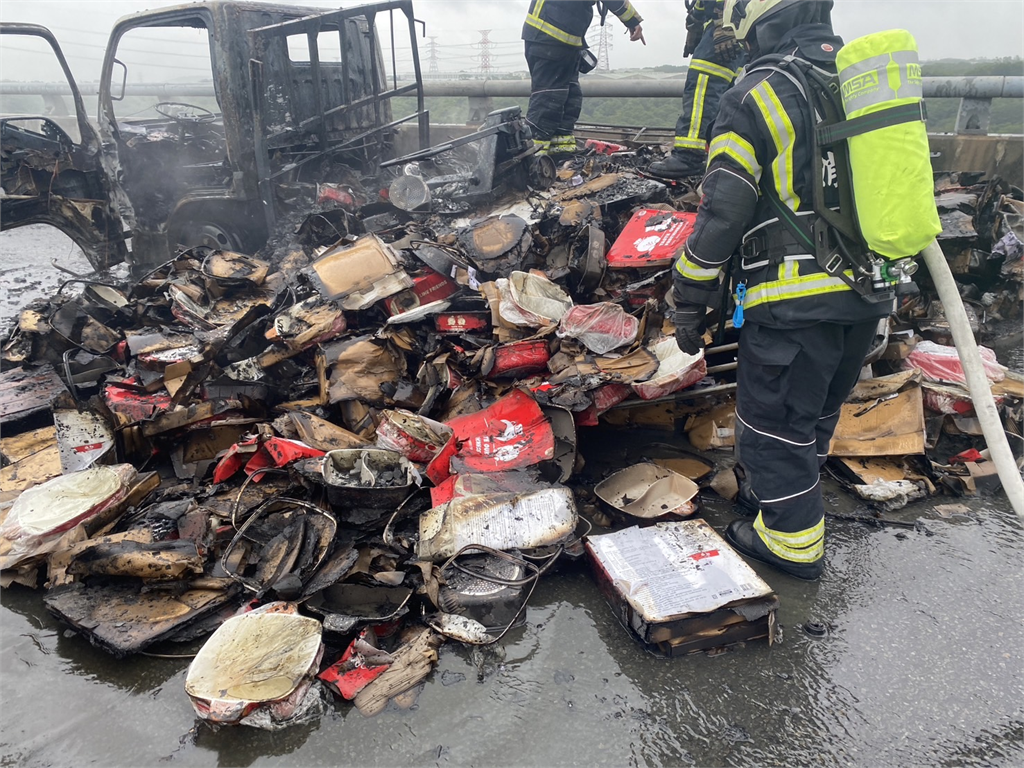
555	45
805	332
717	57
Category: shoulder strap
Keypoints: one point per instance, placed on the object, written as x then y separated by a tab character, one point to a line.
833	237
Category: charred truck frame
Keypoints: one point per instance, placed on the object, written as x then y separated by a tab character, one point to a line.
286	116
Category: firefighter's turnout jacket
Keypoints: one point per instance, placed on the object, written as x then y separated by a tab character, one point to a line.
567	21
805	334
708	77
759	149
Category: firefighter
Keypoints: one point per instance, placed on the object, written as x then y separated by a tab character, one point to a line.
805	333
555	45
717	57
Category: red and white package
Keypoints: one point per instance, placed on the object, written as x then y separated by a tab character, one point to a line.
652	238
942	364
511	434
677	370
599	327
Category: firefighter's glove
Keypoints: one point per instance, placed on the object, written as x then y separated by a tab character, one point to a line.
690	318
727	47
691	322
694	32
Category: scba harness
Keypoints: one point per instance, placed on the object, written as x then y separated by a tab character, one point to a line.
872	108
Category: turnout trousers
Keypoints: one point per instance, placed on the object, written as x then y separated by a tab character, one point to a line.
791	386
555	96
710	75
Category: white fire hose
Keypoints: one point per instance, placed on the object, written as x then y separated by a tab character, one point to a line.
977	381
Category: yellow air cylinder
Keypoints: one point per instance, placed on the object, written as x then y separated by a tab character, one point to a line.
890	166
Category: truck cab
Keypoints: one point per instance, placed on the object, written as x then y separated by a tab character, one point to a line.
216	117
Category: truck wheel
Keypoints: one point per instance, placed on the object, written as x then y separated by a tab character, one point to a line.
210	234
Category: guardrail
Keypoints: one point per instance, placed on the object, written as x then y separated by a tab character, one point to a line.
973	117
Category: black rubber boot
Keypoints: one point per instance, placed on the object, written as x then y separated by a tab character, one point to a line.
744	538
681	164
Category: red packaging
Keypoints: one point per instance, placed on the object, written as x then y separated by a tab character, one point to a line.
336	193
425	289
356	668
415	437
137	406
511	434
651	239
463	322
274	452
604	147
942	364
519	358
603	398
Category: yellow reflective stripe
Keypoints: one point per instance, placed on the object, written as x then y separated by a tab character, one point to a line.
784	136
710	68
789	270
537	22
699	97
628	13
804	546
737	148
695	271
682	142
795	288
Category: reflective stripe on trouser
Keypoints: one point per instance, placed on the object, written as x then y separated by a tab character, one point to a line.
791	384
708	77
555	95
564	142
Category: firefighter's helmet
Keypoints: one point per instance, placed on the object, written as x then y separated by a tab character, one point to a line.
741	15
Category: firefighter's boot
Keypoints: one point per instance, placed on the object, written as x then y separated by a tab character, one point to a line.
744	538
680	164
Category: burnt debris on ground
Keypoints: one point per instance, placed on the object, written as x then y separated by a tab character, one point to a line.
331	456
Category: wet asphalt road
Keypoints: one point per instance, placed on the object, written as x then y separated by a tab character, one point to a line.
923	664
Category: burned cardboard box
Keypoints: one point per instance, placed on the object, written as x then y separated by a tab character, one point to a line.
359	274
680	588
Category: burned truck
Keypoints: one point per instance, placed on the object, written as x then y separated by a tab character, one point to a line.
263	101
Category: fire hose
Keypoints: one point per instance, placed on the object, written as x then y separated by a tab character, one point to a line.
977	381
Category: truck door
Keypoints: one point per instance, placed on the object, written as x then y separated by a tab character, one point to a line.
323	90
50	166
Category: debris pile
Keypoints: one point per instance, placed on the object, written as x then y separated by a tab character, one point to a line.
337	453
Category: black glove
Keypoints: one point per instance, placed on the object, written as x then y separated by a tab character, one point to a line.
691	322
727	47
694	32
691	315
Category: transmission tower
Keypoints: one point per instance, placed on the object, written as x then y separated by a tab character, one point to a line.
604	47
432	68
485	51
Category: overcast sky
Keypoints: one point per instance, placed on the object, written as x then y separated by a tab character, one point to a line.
944	28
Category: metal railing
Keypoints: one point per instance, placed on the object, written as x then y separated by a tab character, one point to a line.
973	117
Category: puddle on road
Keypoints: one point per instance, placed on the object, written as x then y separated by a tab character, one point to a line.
922	631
